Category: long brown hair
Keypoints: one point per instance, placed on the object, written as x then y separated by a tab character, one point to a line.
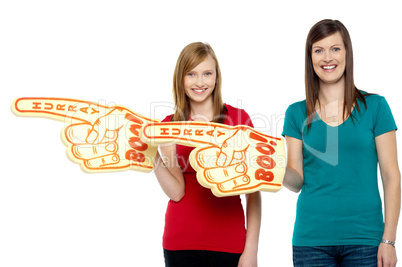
192	55
318	32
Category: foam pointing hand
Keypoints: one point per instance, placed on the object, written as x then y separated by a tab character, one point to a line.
100	138
230	160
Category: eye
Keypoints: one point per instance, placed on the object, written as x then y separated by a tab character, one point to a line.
208	73
190	74
318	51
336	49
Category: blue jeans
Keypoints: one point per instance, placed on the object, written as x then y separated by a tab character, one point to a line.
335	256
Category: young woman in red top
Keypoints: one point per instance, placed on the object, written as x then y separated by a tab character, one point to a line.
201	229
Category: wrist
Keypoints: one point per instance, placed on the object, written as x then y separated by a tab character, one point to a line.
388	242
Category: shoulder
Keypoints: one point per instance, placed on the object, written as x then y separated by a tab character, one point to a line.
374	101
233	111
298	104
168	118
373	98
297	107
236	116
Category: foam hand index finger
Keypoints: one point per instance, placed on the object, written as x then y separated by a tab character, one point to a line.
58	108
188	133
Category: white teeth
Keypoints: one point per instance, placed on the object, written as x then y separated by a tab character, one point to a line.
328	67
199	90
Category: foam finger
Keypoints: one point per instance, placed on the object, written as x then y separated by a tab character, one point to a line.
77	133
188	133
234	183
100	162
89	151
219	175
57	108
206	157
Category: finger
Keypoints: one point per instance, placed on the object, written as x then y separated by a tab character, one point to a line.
88	151
58	108
219	175
188	133
80	133
98	163
77	133
205	158
234	183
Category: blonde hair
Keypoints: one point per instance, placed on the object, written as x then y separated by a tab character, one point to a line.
192	55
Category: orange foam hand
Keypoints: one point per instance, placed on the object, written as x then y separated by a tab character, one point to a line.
98	137
230	160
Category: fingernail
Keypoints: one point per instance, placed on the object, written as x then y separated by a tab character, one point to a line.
110	147
241	168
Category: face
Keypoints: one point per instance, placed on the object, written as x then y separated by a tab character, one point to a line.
329	59
199	83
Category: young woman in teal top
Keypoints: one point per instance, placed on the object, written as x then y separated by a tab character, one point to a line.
335	139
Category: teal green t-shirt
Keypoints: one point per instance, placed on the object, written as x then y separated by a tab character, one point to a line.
339	203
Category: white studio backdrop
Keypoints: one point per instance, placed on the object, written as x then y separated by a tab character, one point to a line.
124	52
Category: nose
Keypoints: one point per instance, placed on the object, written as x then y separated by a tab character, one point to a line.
327	56
200	81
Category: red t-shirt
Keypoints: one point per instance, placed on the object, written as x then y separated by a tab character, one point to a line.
200	220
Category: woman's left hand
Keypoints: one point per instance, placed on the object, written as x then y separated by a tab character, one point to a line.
248	259
386	256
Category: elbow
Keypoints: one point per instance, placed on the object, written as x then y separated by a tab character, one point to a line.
291	186
295	190
178	196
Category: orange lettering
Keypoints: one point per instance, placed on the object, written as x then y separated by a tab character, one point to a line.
60	107
137	144
36	105
134	129
265	149
132	118
72	108
266	162
211	133
258	137
48	105
164	131
262	174
176	131
135	156
85	110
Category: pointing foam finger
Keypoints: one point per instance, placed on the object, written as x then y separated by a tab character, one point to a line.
220	175
188	133
102	161
57	108
89	151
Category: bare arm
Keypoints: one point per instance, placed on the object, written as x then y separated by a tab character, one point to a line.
391	179
249	256
168	173
293	179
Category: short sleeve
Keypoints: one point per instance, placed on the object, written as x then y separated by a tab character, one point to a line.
245	119
292	126
168	118
384	120
237	116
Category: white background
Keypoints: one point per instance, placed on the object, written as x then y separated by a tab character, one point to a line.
124	52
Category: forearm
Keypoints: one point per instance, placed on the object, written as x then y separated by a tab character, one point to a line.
170	179
253	222
292	180
392	204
